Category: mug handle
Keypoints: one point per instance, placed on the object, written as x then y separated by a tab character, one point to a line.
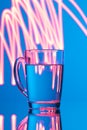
17	75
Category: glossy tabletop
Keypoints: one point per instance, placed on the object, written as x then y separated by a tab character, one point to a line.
72	116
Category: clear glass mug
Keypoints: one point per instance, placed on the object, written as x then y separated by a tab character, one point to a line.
44	74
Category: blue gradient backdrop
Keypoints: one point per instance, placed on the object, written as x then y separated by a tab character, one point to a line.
75	70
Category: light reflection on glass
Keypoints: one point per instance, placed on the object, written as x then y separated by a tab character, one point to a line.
41	121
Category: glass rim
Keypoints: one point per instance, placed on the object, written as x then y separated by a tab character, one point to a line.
53	55
43	50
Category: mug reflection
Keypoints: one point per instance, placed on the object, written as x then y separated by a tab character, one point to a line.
41	121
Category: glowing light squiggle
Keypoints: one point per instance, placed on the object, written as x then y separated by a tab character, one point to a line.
13	122
42	29
1	122
75	18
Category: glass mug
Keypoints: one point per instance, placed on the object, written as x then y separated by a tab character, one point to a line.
44	74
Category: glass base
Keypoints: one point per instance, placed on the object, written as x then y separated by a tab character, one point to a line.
44	106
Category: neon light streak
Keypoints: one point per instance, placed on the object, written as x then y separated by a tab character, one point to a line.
74	17
47	32
79	10
13	122
23	125
1	122
42	29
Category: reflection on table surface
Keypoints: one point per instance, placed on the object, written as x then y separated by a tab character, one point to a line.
72	116
39	120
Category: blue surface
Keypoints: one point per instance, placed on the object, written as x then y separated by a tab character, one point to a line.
73	116
74	94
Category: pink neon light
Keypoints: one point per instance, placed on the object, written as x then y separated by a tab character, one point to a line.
1	122
73	15
23	125
13	122
79	10
50	33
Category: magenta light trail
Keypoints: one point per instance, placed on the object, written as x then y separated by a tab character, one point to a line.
42	29
79	10
13	122
47	32
74	17
23	124
1	122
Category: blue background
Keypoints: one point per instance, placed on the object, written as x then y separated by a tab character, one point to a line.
74	94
